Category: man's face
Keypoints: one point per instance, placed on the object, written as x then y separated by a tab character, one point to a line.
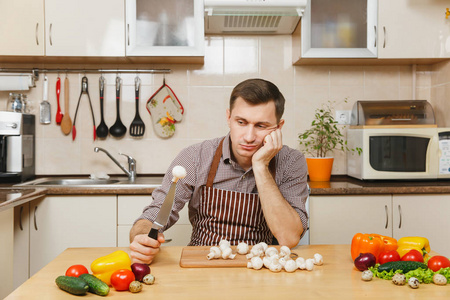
249	124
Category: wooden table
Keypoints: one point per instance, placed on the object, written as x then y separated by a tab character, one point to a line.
336	279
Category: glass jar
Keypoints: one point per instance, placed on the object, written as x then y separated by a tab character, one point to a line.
15	103
27	107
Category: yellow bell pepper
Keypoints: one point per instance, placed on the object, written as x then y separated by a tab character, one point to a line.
104	266
405	244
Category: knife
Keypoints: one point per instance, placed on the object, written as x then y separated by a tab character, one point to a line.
178	172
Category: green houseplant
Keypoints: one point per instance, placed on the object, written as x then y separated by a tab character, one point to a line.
321	139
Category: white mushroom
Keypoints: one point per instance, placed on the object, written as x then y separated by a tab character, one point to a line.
227	254
300	261
309	264
275	266
214	252
283	260
266	261
178	172
264	246
255	263
318	259
242	248
290	266
285	251
223	244
270	251
257	251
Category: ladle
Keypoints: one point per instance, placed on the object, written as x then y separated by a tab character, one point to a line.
118	129
102	129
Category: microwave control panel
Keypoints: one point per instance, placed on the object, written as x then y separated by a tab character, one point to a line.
444	149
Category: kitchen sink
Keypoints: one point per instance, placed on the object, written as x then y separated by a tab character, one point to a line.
113	182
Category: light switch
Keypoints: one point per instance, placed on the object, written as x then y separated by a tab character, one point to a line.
343	117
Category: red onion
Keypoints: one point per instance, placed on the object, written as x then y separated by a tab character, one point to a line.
364	261
140	270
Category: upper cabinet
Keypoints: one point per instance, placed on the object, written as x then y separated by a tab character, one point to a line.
164	28
345	28
371	31
84	28
22	29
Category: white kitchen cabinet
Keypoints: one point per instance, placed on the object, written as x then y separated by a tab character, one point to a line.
423	215
336	219
22	29
164	28
85	28
60	222
413	29
21	244
6	251
130	208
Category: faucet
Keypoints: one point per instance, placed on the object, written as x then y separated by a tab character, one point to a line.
131	164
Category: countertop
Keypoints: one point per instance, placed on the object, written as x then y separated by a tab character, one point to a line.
336	278
144	185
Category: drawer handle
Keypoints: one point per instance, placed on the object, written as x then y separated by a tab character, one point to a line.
384	40
37	36
128	29
400	214
387	217
50	34
20	218
35	222
375	28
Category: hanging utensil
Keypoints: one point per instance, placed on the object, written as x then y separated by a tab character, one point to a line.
44	108
102	129
84	90
118	129
66	122
59	115
137	127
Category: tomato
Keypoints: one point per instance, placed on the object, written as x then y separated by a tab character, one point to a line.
121	279
437	262
76	270
388	256
413	255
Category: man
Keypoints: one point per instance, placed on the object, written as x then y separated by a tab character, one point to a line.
245	186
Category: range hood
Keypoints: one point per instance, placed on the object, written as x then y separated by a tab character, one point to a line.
252	16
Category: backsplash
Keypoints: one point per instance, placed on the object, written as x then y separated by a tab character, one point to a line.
204	90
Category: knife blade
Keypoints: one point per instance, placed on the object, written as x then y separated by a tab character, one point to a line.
178	172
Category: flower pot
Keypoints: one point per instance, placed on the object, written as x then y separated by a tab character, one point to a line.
319	168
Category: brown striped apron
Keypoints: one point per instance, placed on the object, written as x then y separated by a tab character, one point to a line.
234	216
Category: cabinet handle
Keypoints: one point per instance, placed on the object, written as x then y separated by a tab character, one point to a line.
375	43
400	214
20	218
384	37
50	34
37	36
35	222
387	217
128	30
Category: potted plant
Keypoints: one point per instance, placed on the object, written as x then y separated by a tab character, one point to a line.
320	140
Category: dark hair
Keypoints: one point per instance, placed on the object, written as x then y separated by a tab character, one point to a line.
258	91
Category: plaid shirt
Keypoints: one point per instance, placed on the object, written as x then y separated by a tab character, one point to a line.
291	178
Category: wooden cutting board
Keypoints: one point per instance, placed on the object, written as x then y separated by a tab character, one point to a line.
195	257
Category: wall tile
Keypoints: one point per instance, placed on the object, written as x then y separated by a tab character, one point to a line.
241	57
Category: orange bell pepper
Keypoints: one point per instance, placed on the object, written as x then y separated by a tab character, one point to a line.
371	243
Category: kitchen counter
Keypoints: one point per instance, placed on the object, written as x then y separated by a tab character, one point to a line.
10	197
336	278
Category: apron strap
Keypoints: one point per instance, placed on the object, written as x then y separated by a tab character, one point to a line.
216	161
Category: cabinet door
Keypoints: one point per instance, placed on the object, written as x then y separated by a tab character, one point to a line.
164	28
60	222
339	29
6	251
85	28
413	29
21	244
423	215
336	219
22	29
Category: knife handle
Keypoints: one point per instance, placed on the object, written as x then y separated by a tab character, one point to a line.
153	234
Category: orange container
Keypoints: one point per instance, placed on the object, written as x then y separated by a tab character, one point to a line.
319	168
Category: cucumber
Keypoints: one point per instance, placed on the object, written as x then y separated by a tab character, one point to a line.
72	285
96	286
405	266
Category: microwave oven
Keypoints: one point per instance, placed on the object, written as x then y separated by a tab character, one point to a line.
399	153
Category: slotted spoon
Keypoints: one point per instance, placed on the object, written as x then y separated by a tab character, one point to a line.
137	127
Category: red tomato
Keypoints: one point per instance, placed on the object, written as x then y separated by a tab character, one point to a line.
388	256
121	279
413	255
437	262
76	270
